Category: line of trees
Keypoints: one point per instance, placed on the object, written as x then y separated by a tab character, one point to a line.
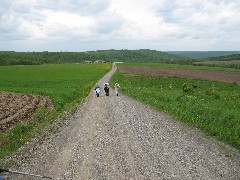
230	61
203	54
223	58
35	58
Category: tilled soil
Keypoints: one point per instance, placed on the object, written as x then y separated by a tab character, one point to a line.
116	137
16	107
221	76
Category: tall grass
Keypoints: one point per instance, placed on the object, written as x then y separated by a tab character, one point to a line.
65	84
211	106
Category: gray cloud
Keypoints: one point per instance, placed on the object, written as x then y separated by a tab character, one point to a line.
109	23
82	7
201	19
4	6
114	23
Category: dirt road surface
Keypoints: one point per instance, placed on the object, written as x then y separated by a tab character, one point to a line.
116	137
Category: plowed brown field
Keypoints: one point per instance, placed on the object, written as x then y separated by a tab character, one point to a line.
221	76
16	107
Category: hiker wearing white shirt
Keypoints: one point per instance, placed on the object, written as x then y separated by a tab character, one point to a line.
116	88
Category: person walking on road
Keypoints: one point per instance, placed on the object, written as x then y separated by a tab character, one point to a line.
116	88
106	89
97	89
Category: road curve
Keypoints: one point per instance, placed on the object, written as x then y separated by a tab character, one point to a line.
116	137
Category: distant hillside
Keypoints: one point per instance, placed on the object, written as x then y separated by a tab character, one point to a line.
202	54
143	55
229	61
223	58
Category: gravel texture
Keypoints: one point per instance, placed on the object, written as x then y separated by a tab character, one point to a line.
116	137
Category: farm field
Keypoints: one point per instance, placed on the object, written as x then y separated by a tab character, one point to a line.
63	83
219	62
54	88
15	107
221	76
233	63
210	105
180	66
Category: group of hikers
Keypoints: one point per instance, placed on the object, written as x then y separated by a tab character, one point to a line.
106	89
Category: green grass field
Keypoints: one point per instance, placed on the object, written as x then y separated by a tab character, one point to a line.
65	84
178	66
211	106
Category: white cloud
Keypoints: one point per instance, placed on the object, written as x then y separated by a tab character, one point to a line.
65	24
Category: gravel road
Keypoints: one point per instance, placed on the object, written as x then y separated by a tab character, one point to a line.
116	137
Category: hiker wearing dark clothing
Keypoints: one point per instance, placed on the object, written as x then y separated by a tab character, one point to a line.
106	89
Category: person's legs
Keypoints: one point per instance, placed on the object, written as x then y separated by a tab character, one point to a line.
97	93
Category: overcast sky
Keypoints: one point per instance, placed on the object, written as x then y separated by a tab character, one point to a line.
82	25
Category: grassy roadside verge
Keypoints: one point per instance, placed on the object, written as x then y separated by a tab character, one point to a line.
210	106
65	84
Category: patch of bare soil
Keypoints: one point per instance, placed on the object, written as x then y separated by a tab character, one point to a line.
15	107
221	76
233	62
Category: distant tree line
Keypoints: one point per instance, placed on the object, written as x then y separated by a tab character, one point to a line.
36	58
203	54
230	61
223	58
